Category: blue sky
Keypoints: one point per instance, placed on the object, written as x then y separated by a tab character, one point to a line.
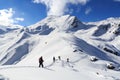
27	12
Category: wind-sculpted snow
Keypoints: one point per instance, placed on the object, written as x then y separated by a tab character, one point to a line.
16	47
16	55
102	29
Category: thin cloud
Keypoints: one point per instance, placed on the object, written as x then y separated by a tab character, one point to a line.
88	10
6	17
59	7
19	19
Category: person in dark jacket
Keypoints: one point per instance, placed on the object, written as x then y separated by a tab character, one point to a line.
53	59
59	57
67	59
41	62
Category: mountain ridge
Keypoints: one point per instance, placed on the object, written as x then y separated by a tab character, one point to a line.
52	25
67	37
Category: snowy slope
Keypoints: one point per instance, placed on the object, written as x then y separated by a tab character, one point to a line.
63	36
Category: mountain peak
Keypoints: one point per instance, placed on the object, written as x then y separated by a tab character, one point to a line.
65	22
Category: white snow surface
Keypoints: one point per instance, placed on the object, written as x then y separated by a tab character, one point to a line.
65	36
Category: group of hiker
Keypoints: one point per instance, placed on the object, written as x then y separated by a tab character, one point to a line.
109	66
54	59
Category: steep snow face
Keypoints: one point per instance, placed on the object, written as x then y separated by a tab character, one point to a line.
15	43
63	23
65	32
104	35
107	29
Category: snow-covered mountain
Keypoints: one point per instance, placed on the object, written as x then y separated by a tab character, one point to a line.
90	47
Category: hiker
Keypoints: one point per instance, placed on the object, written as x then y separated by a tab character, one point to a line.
41	62
67	59
59	57
53	59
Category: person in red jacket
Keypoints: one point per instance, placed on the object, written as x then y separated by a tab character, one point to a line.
41	62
